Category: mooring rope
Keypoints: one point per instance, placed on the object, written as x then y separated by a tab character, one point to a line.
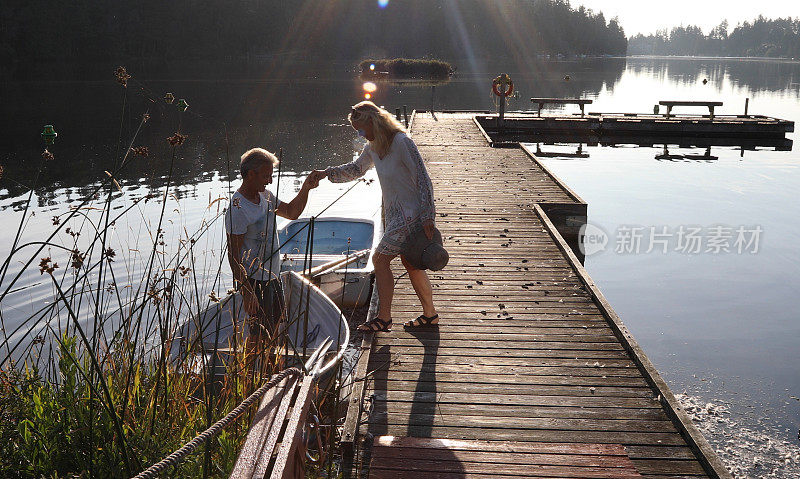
176	457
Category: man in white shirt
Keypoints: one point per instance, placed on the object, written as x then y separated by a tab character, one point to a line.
253	245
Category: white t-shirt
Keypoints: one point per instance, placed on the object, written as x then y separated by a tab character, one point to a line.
257	223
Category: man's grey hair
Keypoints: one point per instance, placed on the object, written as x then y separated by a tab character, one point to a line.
255	158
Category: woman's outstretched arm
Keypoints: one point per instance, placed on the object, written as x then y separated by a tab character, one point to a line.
351	171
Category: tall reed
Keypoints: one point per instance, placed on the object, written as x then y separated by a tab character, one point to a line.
90	385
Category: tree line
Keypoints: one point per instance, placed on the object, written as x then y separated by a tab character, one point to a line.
306	30
763	37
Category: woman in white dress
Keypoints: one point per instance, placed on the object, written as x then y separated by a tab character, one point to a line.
407	200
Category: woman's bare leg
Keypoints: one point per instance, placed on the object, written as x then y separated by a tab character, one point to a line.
422	286
385	282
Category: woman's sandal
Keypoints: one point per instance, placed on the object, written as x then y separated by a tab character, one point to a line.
422	321
375	325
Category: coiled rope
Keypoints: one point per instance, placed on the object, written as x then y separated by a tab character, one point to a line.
176	457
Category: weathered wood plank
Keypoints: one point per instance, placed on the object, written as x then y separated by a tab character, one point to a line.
586	370
263	421
481	379
519	390
523	423
287	463
587	355
267	450
507	411
355	404
455	467
542	399
625	438
433	361
442	456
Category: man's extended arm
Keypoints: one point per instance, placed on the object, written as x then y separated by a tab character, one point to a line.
294	208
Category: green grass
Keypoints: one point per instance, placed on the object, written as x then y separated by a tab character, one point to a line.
66	428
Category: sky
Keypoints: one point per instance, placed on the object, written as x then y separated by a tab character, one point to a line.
647	16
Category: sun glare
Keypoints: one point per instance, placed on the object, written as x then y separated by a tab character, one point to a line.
383	3
370	87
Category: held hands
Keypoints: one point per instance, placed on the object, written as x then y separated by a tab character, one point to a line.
428	226
313	179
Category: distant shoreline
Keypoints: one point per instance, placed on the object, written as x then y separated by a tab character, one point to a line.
691	57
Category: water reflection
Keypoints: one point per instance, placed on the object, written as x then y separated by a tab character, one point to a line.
757	75
229	113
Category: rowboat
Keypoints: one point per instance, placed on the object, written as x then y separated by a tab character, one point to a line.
210	338
336	240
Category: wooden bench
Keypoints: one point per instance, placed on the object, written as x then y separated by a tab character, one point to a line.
582	102
709	104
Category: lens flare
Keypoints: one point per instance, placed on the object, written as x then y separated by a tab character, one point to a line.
372	66
383	3
367	96
370	87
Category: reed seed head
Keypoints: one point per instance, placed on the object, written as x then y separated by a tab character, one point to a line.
122	76
141	151
77	258
46	265
177	139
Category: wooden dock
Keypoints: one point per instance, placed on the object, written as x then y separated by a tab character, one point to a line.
531	373
637	128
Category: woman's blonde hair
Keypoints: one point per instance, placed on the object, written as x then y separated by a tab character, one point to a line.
384	125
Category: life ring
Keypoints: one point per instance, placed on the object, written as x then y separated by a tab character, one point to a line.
496	84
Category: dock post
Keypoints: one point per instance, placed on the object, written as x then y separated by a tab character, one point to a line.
397	114
501	113
433	102
405	114
746	104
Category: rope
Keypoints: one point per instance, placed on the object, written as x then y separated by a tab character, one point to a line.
177	456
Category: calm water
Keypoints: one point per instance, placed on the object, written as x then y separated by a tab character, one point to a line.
721	327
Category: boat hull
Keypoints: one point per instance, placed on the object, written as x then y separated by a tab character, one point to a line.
219	331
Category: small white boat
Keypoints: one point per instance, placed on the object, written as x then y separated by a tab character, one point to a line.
342	212
311	320
334	238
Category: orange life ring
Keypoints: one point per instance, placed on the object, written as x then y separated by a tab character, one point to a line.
496	84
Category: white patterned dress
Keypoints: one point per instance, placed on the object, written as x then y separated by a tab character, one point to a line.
405	185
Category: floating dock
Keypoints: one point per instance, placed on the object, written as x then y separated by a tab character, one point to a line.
531	373
748	131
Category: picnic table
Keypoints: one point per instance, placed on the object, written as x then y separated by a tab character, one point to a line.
710	104
561	101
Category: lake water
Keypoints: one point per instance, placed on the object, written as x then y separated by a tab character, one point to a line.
721	327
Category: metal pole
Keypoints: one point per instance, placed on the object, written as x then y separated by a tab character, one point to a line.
502	113
405	114
746	104
397	114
